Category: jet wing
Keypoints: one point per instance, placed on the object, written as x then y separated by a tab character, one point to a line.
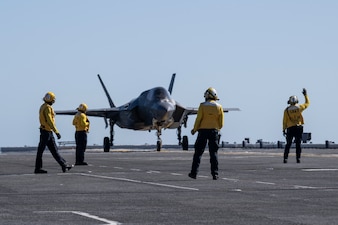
230	109
105	112
193	111
181	114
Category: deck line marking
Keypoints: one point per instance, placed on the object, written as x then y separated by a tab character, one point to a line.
263	182
230	179
304	187
110	222
153	171
139	182
176	174
318	170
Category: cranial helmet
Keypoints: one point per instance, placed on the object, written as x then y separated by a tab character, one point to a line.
82	107
211	94
293	100
49	97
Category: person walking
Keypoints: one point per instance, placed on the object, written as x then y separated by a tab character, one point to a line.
81	124
47	127
208	123
293	124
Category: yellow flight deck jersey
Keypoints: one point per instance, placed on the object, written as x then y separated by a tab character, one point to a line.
47	118
209	116
293	114
81	122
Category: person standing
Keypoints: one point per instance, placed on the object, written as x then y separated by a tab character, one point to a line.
208	123
47	127
293	124
81	124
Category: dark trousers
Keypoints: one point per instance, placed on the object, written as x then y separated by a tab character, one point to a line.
81	145
204	136
47	139
296	133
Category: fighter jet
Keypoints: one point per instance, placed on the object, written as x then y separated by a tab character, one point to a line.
153	109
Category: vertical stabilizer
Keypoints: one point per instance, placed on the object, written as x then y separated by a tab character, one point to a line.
170	89
111	103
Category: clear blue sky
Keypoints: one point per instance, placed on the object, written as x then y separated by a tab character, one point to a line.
255	53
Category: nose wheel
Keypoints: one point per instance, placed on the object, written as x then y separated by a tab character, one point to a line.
159	145
159	141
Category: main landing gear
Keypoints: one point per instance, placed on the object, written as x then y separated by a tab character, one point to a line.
183	142
108	142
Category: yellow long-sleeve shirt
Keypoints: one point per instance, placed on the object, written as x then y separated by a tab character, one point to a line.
81	122
210	115
47	118
293	114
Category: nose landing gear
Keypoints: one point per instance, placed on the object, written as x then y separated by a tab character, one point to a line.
159	140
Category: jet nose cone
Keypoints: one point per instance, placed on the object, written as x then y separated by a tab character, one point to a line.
164	111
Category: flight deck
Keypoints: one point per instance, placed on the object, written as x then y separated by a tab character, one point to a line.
144	186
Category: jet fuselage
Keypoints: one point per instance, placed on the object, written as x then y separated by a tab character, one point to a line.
154	108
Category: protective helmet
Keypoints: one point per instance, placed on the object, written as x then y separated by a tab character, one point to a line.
293	100
82	107
211	94
49	97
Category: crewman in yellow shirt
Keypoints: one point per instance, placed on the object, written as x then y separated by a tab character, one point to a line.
208	123
293	124
47	127
81	124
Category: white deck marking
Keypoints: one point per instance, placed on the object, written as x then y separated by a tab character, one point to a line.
138	181
171	186
176	174
153	171
237	190
305	187
263	182
110	222
230	179
319	170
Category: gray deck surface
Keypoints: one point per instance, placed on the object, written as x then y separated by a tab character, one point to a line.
149	187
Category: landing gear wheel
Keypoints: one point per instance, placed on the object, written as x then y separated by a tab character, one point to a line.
159	140
185	143
159	145
106	144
